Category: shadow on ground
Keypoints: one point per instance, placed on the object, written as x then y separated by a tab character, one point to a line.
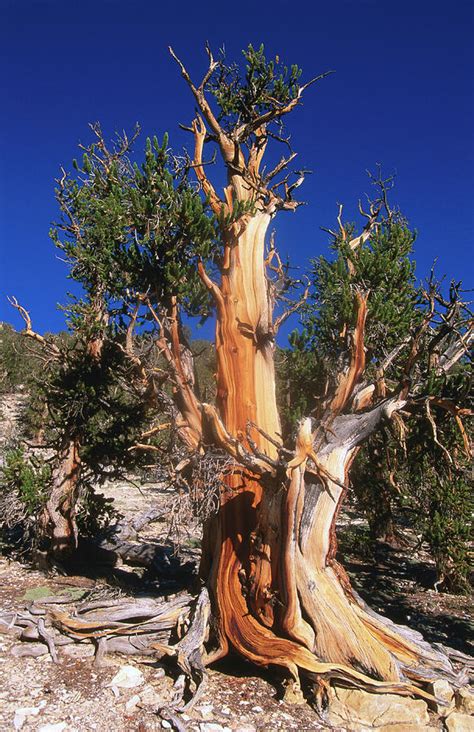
400	585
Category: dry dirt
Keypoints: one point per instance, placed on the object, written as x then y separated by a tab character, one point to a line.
75	695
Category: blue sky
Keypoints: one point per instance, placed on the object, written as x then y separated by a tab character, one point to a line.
402	96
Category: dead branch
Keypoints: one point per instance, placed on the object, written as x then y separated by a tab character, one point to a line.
54	351
231	445
293	309
200	132
356	368
282	165
225	143
277	112
435	431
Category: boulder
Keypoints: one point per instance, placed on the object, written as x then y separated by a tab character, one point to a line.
465	700
128	677
457	722
353	709
444	692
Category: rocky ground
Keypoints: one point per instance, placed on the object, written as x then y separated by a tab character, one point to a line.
126	694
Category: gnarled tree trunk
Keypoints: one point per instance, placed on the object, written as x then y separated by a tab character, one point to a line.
279	594
58	520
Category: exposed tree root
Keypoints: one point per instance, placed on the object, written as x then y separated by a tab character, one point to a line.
146	627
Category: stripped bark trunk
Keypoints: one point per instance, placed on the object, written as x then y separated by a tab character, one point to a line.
58	521
279	594
58	526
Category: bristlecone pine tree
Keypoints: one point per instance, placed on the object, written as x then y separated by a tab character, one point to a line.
278	595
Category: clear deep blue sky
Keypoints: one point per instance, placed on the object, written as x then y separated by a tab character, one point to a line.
402	95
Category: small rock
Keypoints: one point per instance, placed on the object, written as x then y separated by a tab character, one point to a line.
166	724
405	728
58	727
354	709
205	710
245	728
444	692
259	710
465	700
132	703
457	722
128	677
213	727
77	650
149	697
22	713
29	649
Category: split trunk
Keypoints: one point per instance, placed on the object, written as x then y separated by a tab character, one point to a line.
279	594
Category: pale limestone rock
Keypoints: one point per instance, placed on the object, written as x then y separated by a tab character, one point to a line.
149	697
78	650
465	700
354	710
23	713
444	692
404	728
205	710
128	677
131	704
457	722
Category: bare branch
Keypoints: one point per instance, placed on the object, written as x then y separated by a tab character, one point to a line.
456	351
203	104
199	131
293	309
28	331
352	375
282	165
231	445
211	285
245	130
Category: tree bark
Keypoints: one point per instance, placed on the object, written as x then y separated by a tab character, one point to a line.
58	521
280	596
58	527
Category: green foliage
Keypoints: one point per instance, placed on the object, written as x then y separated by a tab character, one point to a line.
428	475
375	489
94	399
26	477
126	229
265	86
170	231
447	527
24	488
18	366
300	376
439	487
130	228
382	267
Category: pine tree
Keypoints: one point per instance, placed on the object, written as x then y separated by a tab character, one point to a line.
164	250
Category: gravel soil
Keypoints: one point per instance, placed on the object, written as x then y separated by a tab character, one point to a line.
76	696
